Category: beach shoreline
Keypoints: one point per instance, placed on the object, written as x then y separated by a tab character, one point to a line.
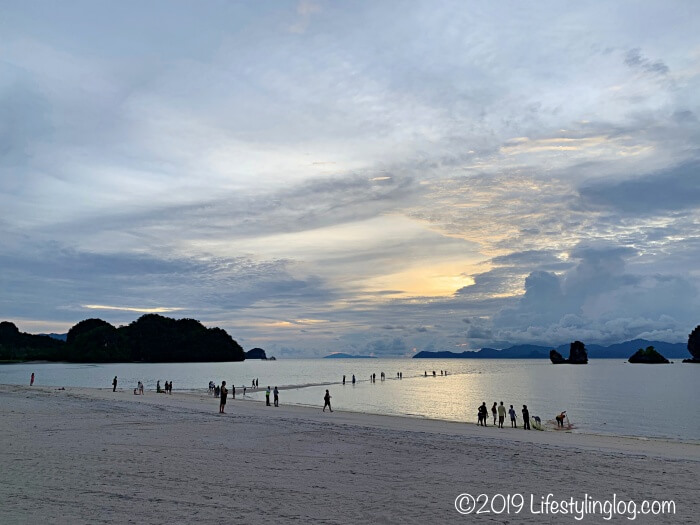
106	457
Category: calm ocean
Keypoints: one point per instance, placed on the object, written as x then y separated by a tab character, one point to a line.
604	397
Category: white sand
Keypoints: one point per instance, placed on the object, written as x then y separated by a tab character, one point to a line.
92	456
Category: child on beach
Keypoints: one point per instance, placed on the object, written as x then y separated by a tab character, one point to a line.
327	401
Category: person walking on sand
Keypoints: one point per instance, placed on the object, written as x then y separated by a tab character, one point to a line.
31	380
526	418
513	417
114	384
327	401
501	414
267	396
222	400
277	397
494	412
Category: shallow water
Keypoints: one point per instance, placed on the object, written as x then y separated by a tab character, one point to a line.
606	396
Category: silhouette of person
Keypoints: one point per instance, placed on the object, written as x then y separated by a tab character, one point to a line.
526	418
222	399
483	414
513	417
327	401
277	397
494	411
114	384
31	380
343	378
267	396
560	419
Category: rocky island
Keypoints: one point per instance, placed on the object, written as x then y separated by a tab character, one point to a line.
694	346
648	357
577	355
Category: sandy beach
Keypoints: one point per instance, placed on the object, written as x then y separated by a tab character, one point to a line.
93	456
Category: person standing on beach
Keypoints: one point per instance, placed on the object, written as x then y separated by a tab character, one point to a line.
233	390
114	384
526	418
267	396
501	414
353	379
513	417
31	380
343	378
223	394
327	401
483	414
494	411
277	397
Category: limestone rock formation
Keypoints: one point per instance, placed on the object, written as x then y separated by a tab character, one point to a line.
694	346
577	355
556	357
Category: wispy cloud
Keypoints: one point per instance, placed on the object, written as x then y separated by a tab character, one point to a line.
155	310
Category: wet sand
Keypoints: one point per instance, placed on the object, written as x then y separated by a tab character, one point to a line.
93	456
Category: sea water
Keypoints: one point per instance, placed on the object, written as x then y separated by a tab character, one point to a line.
606	396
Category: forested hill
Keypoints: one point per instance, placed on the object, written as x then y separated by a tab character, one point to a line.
151	338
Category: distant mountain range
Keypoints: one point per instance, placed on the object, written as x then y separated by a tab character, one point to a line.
60	337
616	351
348	356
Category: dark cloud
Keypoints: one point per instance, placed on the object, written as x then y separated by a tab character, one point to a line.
479	333
384	347
599	299
635	59
58	281
670	190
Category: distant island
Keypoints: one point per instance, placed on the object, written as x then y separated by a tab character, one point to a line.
340	355
577	355
151	338
256	353
648	356
614	351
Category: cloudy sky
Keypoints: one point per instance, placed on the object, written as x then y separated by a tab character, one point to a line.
366	177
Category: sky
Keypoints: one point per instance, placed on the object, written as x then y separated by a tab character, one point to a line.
364	177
